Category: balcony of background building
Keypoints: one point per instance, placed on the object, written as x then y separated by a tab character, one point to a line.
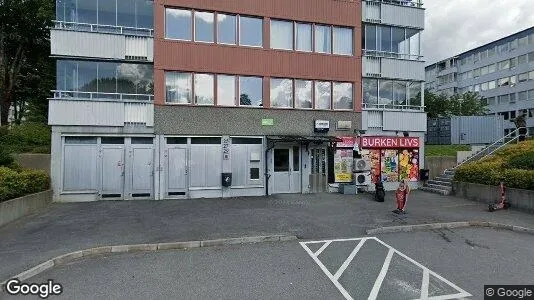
75	108
400	13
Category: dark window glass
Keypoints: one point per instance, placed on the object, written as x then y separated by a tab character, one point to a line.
176	141
296	158
385	38
397	41
142	140
414	93
107	78
386	92
80	140
246	141
370	37
254	173
113	140
107	13
370	91
87	76
87	12
206	140
281	160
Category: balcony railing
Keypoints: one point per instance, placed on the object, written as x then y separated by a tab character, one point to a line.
103	28
412	3
386	54
119	97
374	106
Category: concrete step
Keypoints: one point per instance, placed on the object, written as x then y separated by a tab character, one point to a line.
438	186
449	172
447	175
435	191
443	179
439	182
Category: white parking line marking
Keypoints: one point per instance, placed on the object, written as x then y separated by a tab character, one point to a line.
424	284
322	248
348	260
383	272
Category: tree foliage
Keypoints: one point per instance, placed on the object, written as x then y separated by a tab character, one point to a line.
467	104
26	71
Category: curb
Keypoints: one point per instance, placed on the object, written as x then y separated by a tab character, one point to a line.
421	227
71	256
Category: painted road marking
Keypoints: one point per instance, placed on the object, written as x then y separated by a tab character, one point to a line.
334	278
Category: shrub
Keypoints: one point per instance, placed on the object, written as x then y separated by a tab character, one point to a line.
5	157
15	184
523	161
27	137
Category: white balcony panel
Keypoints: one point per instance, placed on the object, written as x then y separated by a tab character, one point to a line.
371	119
139	113
404	121
371	66
371	11
139	47
402	16
101	45
80	112
87	44
403	69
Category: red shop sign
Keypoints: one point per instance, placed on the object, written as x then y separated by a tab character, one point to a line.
389	142
347	142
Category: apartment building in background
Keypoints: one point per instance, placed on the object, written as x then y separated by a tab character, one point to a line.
191	99
502	72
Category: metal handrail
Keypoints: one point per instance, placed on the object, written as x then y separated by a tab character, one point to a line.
75	95
95	28
386	54
512	136
371	106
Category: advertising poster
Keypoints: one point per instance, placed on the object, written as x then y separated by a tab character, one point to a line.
389	166
409	164
343	165
375	165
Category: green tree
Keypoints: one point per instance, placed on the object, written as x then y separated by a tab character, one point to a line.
244	99
24	45
435	105
467	104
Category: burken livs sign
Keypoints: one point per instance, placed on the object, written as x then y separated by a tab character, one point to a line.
389	142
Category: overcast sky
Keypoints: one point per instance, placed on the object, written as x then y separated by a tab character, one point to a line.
454	26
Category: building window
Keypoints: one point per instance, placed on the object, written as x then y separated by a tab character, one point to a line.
370	37
386	92
522	42
413	36
323	39
492	68
303	37
399	92
503	99
250	31
254	173
370	91
513	44
490	101
476	73
513	63
226	90
343	41
251	91
384	38
512	98
281	35
178	24
226	29
523	59
531	75
523	96
343	98
513	80
281	92
303	94
204	89
531	95
204	24
484	86
484	71
504	81
504	65
178	87
491	52
323	94
491	85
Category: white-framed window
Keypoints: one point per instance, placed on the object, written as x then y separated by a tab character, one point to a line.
226	90
250	31
250	91
303	93
323	38
226	29
204	26
281	92
491	85
282	34
323	95
303	37
492	68
204	89
178	87
343	38
343	96
178	24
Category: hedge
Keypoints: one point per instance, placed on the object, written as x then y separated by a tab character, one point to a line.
26	138
15	184
512	165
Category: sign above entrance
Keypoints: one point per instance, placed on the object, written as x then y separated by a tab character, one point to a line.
344	125
347	142
322	125
389	142
267	122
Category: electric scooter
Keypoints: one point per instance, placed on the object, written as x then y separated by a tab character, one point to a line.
502	203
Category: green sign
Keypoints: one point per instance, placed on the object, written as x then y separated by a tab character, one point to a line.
267	122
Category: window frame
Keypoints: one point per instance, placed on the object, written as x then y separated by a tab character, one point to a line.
293	35
236	31
191	23
213	27
239	43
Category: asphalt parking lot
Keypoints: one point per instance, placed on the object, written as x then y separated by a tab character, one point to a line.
444	264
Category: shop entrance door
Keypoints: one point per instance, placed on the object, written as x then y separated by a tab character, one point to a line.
286	167
318	172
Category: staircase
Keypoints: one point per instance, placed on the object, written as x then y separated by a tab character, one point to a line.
443	183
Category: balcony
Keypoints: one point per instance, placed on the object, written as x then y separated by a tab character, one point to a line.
102	41
402	13
393	68
74	108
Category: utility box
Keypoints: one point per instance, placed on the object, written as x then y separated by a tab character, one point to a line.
226	179
424	174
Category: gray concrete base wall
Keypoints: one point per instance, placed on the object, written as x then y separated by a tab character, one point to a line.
519	199
34	161
19	207
438	164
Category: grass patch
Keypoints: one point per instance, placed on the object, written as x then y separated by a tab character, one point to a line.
445	150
